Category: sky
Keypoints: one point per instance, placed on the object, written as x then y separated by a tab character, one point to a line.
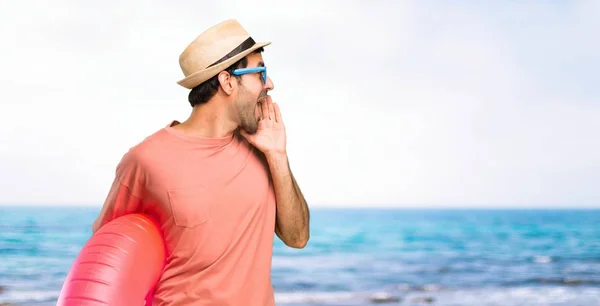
386	103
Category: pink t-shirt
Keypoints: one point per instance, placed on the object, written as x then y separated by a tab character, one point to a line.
215	203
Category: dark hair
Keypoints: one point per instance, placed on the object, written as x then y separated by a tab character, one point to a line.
203	92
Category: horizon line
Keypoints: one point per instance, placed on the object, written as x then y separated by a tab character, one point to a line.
365	206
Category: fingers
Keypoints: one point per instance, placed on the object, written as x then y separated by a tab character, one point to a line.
261	114
265	108
277	112
271	109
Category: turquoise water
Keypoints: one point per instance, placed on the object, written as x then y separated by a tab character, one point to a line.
412	257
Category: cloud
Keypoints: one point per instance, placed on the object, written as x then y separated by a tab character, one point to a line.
411	103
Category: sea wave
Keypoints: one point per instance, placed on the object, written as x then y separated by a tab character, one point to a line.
550	296
315	297
29	296
516	296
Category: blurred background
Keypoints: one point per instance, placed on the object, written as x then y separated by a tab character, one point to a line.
449	151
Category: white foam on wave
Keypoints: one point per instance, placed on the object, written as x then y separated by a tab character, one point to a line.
542	259
519	296
516	296
314	297
29	296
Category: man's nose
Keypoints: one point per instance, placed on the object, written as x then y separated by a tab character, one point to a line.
269	85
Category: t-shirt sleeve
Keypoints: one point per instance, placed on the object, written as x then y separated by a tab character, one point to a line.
126	192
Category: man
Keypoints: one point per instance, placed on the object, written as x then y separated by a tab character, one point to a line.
218	183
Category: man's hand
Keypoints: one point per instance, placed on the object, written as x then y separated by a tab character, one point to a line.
270	136
292	220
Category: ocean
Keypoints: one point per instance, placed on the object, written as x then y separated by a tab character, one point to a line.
362	257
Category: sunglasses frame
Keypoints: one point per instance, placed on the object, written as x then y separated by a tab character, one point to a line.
253	70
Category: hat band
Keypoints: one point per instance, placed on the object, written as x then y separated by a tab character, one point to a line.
245	45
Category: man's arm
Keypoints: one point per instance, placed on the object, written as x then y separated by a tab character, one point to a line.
119	202
121	198
292	225
292	212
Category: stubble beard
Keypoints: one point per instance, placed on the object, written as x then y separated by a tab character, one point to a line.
248	109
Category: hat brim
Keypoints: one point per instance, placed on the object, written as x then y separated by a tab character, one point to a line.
201	76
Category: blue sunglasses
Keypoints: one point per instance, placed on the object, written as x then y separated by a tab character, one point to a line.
263	70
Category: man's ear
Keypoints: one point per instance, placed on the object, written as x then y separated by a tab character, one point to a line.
226	82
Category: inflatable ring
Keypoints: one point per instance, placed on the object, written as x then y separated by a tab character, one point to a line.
119	265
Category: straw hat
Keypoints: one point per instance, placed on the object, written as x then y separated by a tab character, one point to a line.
214	50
